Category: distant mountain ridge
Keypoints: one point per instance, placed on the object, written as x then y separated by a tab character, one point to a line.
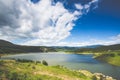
99	48
91	46
66	47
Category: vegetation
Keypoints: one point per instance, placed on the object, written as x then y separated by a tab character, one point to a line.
37	70
7	48
44	63
99	49
29	70
24	60
109	54
65	49
112	57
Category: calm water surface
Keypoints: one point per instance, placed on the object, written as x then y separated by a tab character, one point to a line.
73	61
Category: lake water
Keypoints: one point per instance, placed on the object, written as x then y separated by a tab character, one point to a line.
73	61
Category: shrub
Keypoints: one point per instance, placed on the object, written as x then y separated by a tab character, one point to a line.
13	76
112	55
24	60
36	62
118	54
29	65
33	67
44	63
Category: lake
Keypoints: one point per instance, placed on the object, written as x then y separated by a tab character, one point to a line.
72	61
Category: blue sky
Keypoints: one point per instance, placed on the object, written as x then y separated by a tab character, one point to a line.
100	23
97	26
60	22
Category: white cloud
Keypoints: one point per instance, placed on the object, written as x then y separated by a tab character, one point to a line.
43	23
116	37
79	6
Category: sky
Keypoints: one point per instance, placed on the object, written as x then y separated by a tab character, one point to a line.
60	22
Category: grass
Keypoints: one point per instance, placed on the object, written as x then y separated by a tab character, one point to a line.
114	60
111	57
16	70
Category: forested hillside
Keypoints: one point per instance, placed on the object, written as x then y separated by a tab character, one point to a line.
8	47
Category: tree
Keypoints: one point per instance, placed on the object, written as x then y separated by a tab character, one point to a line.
44	63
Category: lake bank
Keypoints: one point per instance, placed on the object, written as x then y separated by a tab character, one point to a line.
14	70
73	62
111	59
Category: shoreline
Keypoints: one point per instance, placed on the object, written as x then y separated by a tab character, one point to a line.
86	73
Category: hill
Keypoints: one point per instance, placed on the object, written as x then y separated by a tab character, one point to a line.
8	47
109	54
99	48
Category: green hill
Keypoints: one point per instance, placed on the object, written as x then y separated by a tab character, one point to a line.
8	47
109	54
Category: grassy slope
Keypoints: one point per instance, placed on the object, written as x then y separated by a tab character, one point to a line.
112	57
109	54
10	48
114	60
13	70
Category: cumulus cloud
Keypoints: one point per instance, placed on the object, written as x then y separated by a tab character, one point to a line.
41	23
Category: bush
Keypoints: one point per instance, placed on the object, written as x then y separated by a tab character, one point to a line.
13	76
33	67
37	62
118	54
112	55
29	65
44	63
24	60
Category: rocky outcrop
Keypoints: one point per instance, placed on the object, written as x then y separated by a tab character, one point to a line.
96	76
100	76
86	73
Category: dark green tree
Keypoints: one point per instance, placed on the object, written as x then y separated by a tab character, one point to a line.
44	63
